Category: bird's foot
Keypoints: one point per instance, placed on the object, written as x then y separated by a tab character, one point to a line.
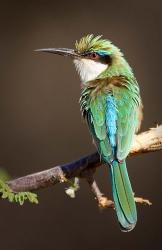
104	202
142	201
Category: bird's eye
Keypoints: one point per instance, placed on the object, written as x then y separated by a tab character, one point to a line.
94	55
91	55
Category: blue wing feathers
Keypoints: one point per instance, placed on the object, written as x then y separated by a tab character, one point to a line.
111	118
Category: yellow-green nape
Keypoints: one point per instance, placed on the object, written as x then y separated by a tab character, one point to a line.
95	43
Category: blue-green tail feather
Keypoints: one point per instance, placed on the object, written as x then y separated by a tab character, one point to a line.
123	196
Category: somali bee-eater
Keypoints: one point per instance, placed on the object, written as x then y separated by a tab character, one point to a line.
111	103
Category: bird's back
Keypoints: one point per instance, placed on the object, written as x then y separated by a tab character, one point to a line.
111	108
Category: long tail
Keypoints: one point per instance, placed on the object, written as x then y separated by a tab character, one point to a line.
123	196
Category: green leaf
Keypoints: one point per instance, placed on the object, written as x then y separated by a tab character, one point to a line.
20	197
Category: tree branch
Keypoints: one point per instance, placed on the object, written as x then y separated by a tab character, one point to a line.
145	142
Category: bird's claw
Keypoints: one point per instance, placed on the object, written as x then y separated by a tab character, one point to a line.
104	202
142	201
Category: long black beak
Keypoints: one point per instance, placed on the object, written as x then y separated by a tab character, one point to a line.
60	51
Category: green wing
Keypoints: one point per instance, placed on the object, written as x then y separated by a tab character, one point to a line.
126	121
96	117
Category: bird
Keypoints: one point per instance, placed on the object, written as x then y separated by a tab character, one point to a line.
112	107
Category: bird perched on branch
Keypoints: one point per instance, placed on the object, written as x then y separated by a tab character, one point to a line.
111	103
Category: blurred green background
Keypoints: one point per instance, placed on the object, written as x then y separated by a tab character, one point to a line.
41	125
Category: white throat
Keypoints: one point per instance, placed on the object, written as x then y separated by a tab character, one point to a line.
89	69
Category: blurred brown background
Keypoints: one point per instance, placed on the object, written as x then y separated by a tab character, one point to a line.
41	125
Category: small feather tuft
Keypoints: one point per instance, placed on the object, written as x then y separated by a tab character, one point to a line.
95	43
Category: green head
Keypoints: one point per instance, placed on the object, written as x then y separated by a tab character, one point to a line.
93	57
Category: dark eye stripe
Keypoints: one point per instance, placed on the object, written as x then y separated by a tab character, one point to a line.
106	59
86	54
98	56
92	55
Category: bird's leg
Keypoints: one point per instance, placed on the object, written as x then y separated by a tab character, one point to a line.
142	200
74	186
103	201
